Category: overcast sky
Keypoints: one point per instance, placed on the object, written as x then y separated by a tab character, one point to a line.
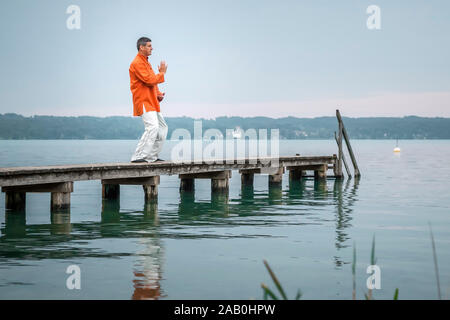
233	58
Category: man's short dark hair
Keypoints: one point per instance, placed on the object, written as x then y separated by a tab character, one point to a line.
142	42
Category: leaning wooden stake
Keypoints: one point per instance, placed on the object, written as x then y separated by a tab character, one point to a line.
340	153
349	147
343	157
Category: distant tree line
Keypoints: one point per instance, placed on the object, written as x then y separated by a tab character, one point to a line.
14	126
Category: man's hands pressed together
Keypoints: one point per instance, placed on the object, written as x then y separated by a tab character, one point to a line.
162	67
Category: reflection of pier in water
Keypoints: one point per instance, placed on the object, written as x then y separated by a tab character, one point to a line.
345	200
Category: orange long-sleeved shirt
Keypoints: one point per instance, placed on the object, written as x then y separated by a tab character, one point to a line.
144	85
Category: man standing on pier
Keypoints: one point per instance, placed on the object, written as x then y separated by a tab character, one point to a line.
146	99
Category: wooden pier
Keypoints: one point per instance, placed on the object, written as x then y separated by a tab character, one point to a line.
16	182
58	180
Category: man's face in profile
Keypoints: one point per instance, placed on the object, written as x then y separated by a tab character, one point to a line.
147	49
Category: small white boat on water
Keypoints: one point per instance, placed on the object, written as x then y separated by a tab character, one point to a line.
237	133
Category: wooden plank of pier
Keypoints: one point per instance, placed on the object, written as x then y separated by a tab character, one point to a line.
17	176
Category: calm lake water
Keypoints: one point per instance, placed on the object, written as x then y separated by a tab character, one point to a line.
198	247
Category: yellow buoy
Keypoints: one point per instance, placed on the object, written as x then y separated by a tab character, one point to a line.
396	149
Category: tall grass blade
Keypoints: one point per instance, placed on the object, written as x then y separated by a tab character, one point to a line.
396	294
373	260
268	292
435	263
275	280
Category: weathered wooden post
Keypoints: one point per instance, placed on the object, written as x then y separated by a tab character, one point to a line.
247	178
60	201
15	201
276	179
343	159
151	189
111	187
321	172
60	195
295	174
220	183
340	152
219	180
187	184
110	191
347	141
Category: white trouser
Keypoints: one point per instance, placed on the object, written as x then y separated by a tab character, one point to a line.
153	138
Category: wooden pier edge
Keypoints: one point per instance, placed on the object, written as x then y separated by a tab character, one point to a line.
58	180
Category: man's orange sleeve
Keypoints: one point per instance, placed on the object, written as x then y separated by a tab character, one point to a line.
147	75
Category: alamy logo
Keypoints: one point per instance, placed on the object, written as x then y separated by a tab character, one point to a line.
374	280
74	280
374	20
213	147
73	22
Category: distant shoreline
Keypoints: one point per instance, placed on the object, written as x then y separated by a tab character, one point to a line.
17	127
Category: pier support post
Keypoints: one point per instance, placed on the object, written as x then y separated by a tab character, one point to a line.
60	201
151	189
151	193
110	191
15	201
111	187
276	179
60	195
321	172
247	179
219	185
295	174
187	184
219	180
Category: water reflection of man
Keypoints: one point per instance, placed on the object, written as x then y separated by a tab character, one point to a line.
148	267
